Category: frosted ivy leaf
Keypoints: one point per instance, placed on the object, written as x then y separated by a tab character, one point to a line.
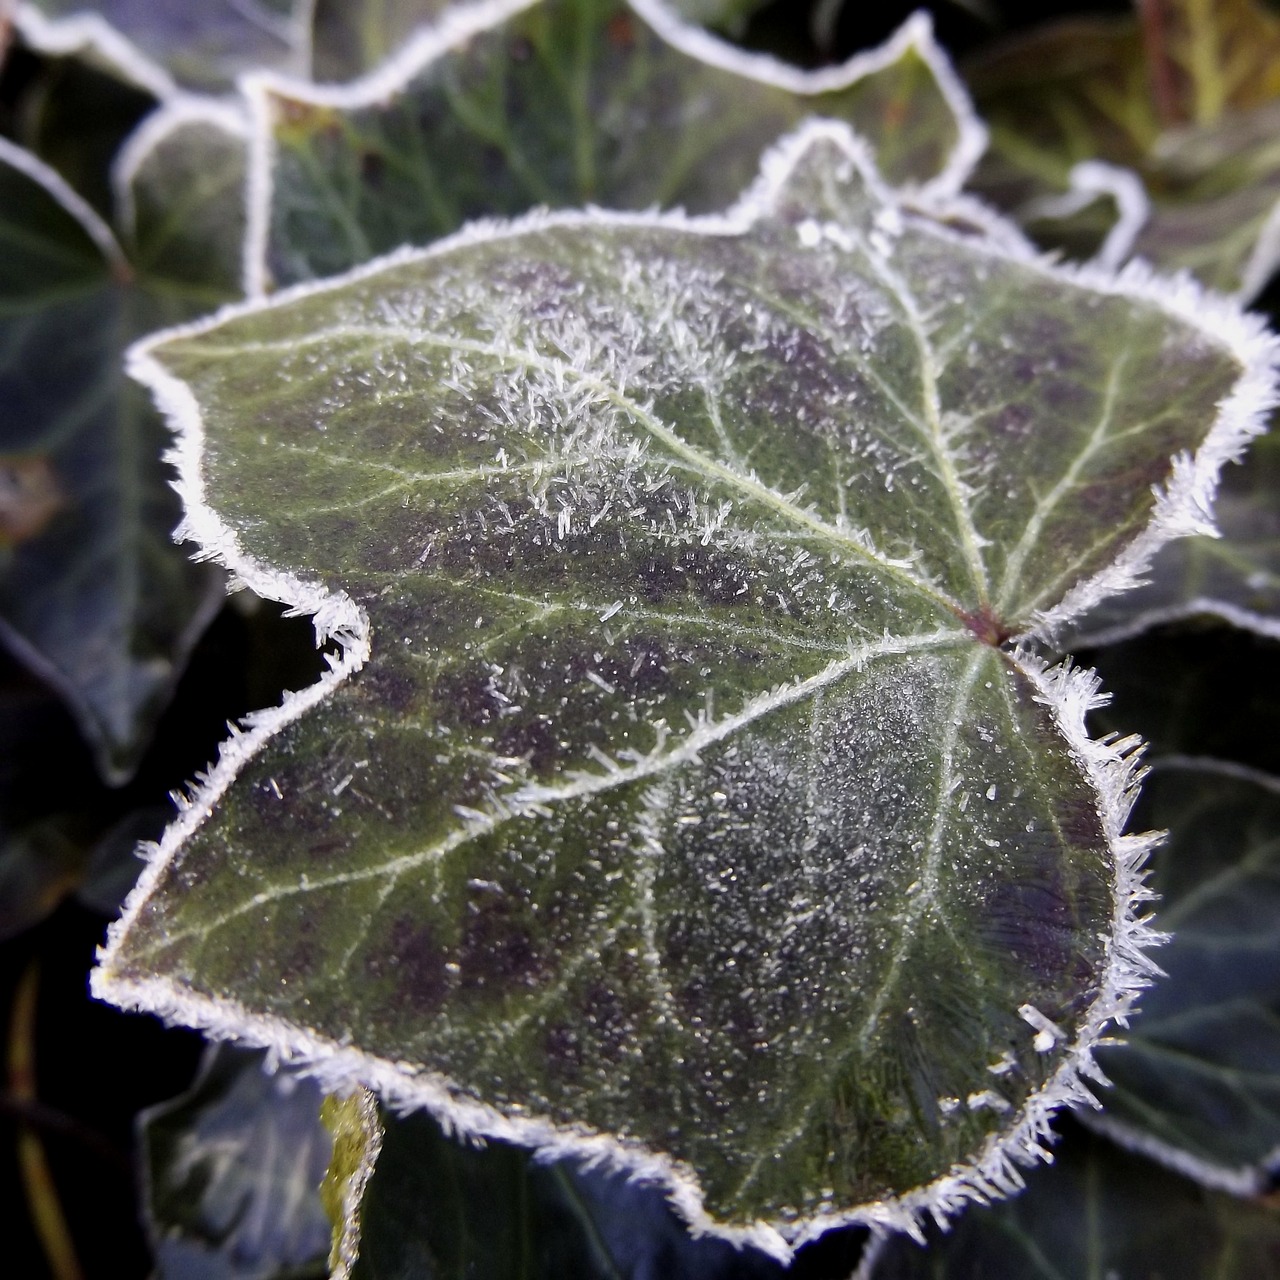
690	810
519	103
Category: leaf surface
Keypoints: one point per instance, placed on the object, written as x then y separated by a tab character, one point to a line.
564	103
448	1210
1098	1212
92	595
686	794
1197	1082
231	1171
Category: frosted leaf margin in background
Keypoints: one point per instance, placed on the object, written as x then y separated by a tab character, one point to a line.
461	22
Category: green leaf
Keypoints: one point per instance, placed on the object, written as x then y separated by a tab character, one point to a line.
426	1206
1190	104
180	183
1235	577
565	102
350	37
231	1174
1098	1212
165	45
688	812
93	597
73	115
1198	1082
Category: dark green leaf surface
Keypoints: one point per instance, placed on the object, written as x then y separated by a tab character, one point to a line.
1200	1070
183	212
350	37
566	102
1098	1213
684	794
92	593
436	1209
1235	577
232	1172
75	116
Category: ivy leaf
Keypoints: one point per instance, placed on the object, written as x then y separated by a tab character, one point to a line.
565	102
93	597
231	1171
689	812
1098	1212
1235	577
180	198
1196	1084
73	115
168	45
417	1203
1188	99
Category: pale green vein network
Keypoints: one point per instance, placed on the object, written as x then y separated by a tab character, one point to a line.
923	897
748	484
956	490
1099	438
534	798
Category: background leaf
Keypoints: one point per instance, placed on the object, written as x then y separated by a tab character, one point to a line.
1187	99
1098	1212
92	595
443	1210
1235	577
565	102
202	46
71	114
1198	1072
232	1171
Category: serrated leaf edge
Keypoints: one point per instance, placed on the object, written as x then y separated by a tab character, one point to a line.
1245	1180
460	22
1112	767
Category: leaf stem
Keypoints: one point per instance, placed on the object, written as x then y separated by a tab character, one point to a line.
1155	47
42	1195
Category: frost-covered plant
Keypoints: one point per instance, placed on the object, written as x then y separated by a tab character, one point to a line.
694	489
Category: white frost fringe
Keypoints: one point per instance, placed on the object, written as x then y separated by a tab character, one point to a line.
90	33
461	22
1112	766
